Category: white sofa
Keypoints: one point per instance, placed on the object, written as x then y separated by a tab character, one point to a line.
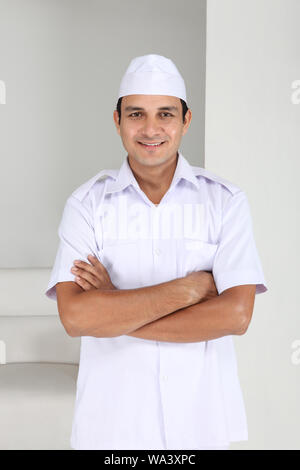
38	365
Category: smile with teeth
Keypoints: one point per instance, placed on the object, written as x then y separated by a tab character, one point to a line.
157	144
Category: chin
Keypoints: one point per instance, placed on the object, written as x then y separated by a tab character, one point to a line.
152	160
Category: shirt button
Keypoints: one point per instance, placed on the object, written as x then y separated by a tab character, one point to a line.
157	251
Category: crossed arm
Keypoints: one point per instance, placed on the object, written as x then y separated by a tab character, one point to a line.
227	314
175	311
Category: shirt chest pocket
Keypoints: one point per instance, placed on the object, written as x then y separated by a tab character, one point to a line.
128	262
132	263
196	255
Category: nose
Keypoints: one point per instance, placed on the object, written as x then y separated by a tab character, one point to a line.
151	128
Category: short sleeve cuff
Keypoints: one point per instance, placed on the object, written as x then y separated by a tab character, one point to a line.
62	277
229	279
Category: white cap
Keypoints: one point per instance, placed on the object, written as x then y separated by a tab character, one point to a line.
152	74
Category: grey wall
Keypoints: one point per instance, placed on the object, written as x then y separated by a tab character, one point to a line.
253	139
62	63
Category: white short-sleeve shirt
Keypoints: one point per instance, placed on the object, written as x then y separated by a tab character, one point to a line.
134	393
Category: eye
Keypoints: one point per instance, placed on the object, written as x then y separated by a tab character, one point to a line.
139	113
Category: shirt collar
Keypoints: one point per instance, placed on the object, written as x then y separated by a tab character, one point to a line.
184	170
126	177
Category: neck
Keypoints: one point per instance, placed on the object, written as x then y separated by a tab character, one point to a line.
154	181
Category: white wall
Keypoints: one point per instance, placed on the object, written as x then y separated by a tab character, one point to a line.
252	138
62	63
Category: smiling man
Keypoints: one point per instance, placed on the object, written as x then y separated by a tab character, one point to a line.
151	134
156	270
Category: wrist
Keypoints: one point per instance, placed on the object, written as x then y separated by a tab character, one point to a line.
188	291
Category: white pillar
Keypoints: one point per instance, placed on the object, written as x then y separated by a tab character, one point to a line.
252	138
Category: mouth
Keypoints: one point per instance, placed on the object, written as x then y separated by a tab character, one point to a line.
152	145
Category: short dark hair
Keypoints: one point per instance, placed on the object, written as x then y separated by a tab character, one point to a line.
184	108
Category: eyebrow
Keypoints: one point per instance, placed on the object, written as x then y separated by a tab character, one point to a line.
162	108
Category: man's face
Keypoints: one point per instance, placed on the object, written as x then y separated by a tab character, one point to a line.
151	119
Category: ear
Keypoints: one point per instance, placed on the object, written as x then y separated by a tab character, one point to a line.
187	121
116	120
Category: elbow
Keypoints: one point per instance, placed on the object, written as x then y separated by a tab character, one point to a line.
70	327
239	301
80	318
69	319
73	332
242	329
243	318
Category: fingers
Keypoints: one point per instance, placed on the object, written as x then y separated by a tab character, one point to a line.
94	261
85	273
86	276
95	264
83	267
95	273
83	283
95	267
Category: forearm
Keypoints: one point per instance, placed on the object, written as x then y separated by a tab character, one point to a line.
107	313
200	322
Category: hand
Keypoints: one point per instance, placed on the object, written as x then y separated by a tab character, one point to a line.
202	284
91	276
211	289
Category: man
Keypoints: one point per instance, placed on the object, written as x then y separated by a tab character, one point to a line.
167	272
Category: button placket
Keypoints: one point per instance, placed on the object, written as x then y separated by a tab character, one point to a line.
155	239
157	251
